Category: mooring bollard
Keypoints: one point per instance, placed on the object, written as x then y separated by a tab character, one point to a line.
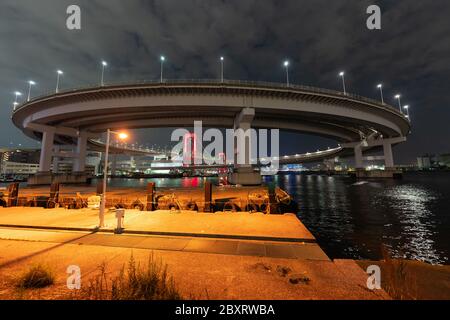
120	215
151	206
13	194
54	195
208	197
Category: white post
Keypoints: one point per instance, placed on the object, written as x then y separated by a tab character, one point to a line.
221	69
287	76
162	66
58	74
381	92
343	83
105	177
103	74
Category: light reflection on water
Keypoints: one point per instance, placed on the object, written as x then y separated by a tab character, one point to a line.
351	219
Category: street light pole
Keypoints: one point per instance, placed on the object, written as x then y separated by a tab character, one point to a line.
104	64
407	111
17	94
221	69
59	73
342	74
105	176
380	86
162	66
398	96
30	83
286	65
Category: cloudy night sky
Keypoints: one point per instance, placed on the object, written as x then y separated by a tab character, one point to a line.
410	55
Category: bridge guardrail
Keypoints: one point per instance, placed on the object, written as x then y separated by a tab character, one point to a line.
262	84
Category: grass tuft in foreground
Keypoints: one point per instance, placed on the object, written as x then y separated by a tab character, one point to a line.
36	277
133	283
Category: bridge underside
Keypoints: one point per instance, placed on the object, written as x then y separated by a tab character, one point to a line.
77	117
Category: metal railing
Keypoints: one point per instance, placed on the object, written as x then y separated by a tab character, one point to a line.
217	82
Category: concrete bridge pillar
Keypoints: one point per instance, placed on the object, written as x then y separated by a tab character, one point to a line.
358	157
243	172
45	160
79	164
388	156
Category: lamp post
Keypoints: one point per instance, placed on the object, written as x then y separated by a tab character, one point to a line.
17	94
30	83
221	68
398	96
407	111
104	65
380	86
162	66
105	175
59	73
342	75
286	66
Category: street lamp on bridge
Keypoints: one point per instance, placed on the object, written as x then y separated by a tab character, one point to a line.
121	136
162	58
30	83
59	73
380	86
398	97
342	75
221	68
286	65
104	65
407	111
17	94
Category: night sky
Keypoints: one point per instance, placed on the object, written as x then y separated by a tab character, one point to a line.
409	55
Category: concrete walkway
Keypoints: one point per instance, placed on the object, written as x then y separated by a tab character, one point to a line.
237	225
273	249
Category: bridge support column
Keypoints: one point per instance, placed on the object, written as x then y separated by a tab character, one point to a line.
358	157
243	172
79	164
45	161
388	156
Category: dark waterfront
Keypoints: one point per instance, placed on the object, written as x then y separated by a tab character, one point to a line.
355	219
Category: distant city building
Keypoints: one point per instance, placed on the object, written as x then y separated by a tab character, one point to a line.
17	168
19	161
429	161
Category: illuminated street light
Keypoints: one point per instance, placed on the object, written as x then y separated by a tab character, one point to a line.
398	96
162	66
380	86
30	83
407	111
342	74
221	68
104	65
59	74
286	65
121	136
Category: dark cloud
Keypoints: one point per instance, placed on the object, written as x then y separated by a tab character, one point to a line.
409	55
